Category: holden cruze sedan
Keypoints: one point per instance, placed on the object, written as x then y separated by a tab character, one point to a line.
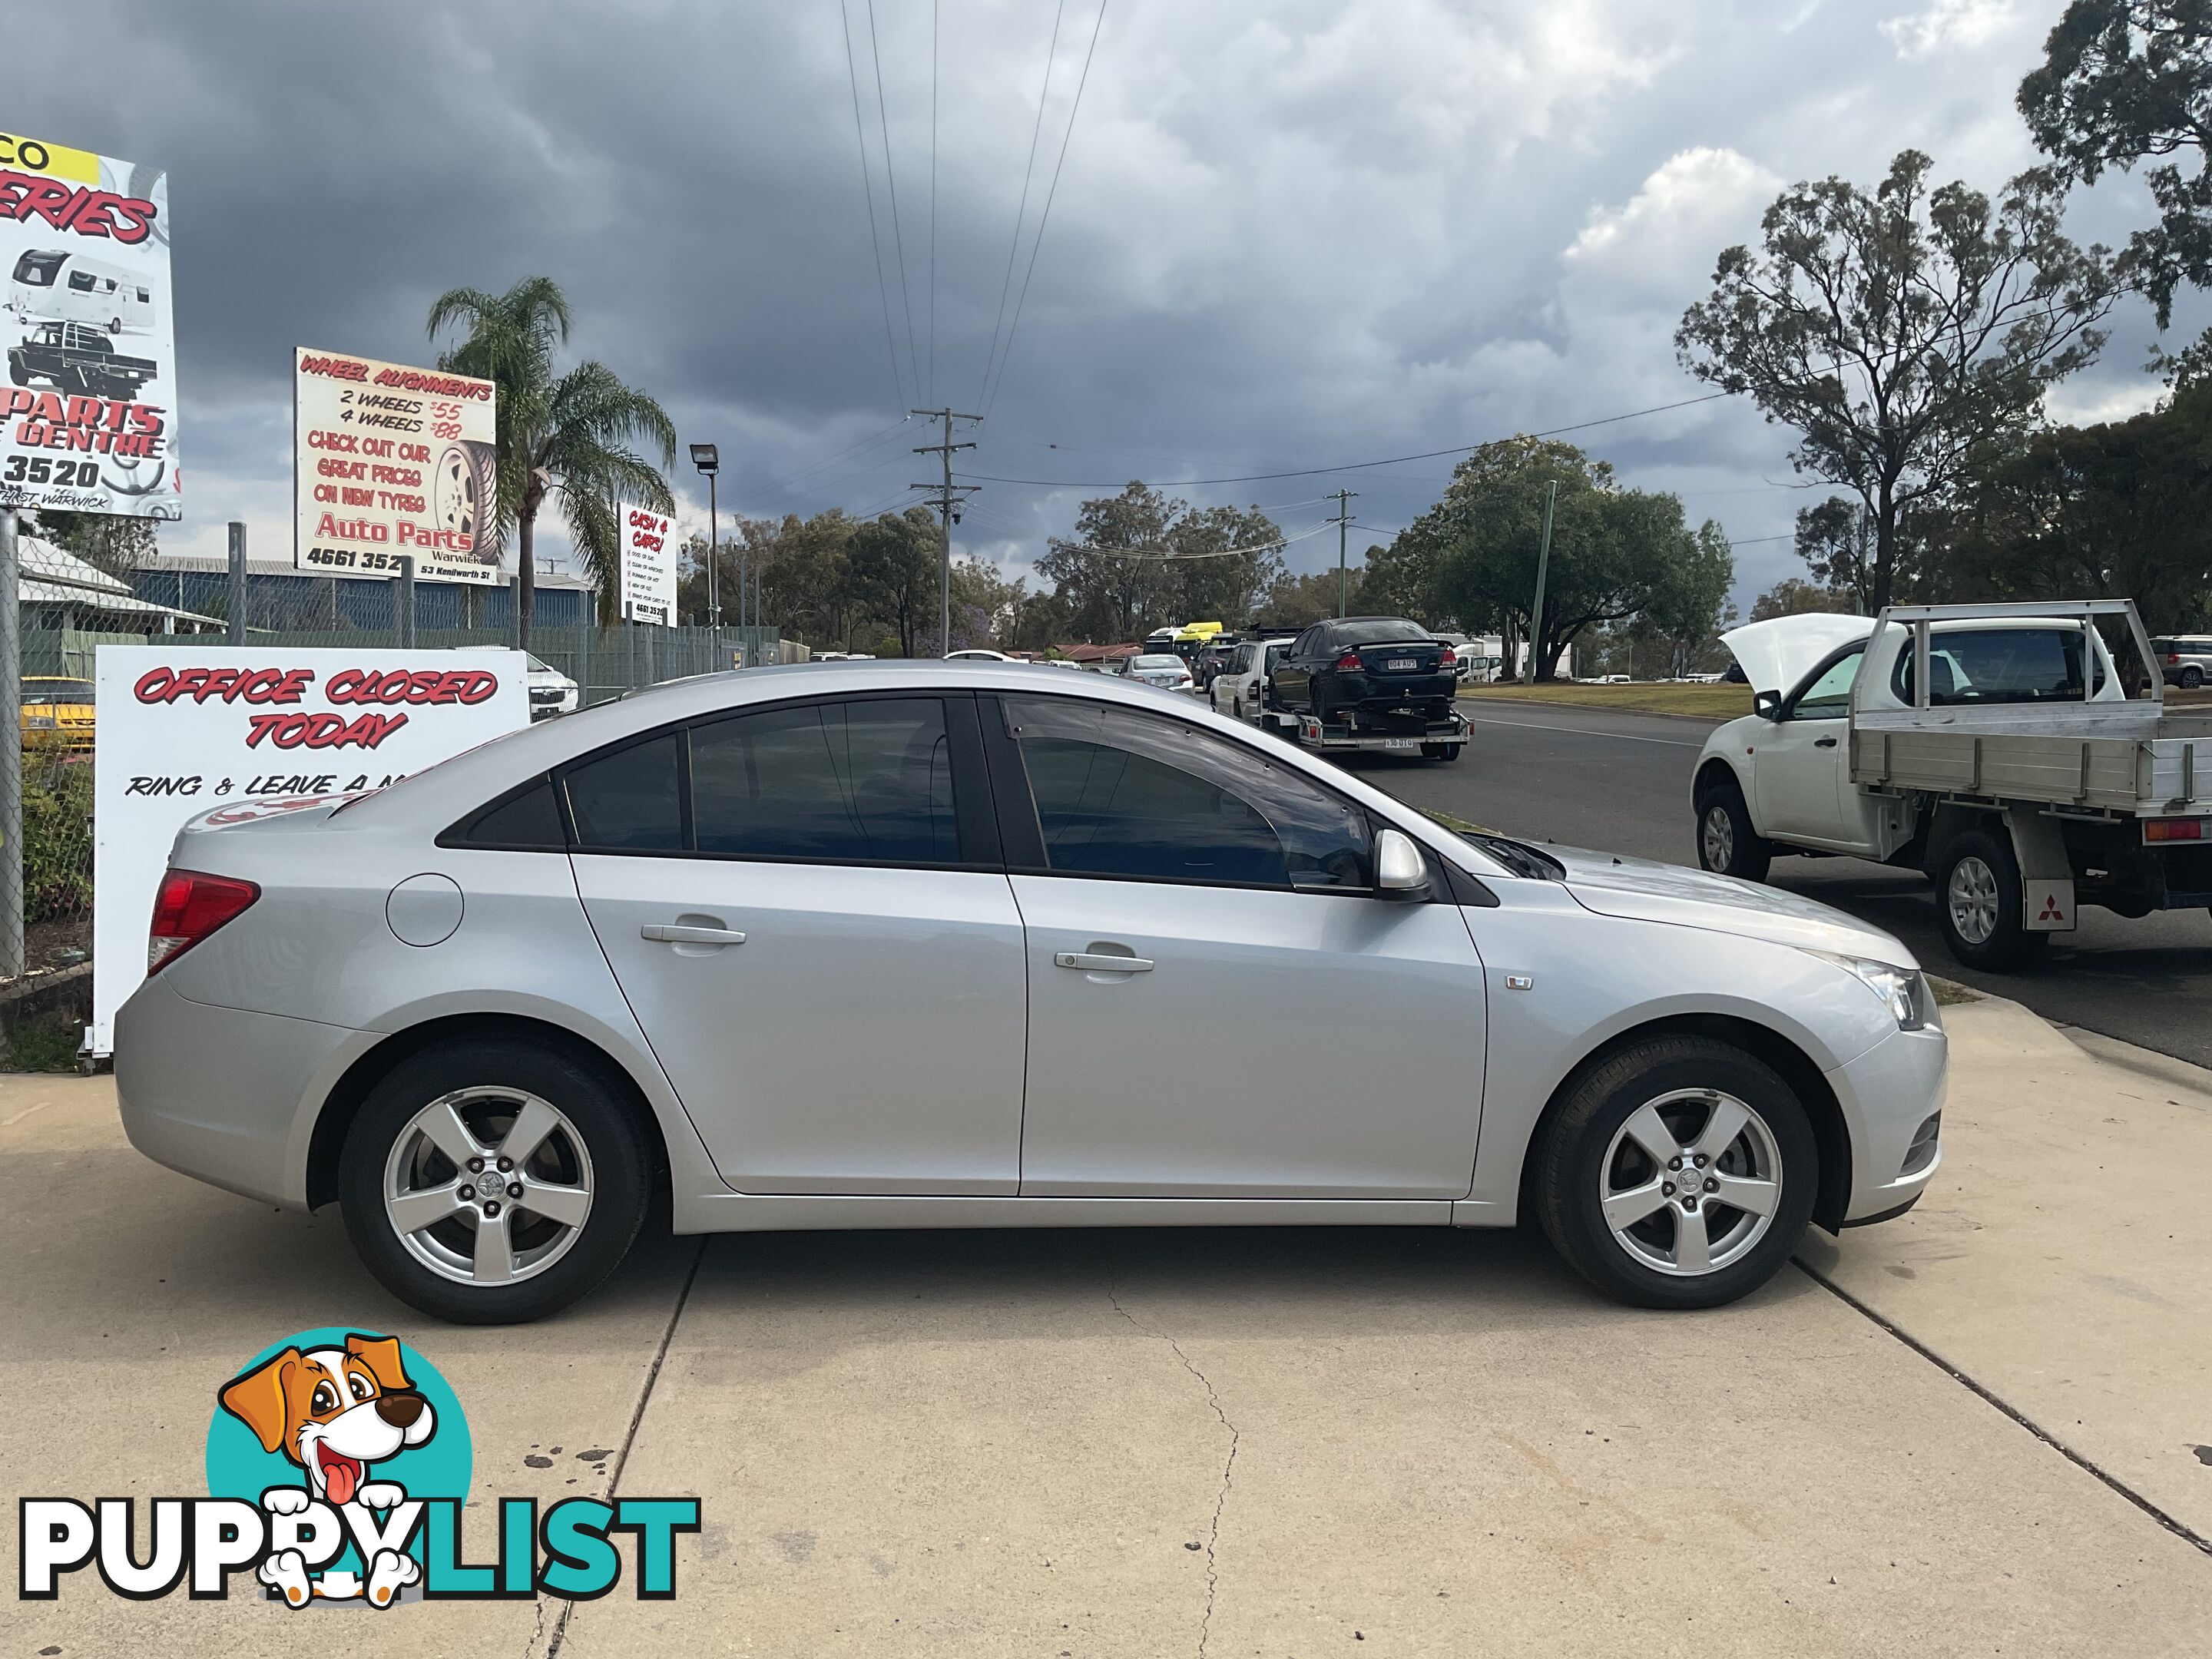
887	945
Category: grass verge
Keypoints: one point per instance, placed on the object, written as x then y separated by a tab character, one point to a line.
1714	703
45	1044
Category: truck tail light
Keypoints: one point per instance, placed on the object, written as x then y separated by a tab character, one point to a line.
1349	663
2173	829
188	908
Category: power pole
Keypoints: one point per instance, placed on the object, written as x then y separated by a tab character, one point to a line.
1543	569
947	501
1343	519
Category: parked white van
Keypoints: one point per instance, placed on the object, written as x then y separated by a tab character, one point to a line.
61	285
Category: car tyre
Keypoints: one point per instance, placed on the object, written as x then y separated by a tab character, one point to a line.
1728	844
1594	1155
596	1147
2191	678
1440	751
1980	904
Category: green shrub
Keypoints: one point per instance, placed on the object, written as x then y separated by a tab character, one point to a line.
57	840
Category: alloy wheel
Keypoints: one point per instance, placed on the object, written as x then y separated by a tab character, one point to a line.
488	1186
1690	1183
1719	837
1972	897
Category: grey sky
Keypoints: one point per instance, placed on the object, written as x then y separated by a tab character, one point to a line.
1287	235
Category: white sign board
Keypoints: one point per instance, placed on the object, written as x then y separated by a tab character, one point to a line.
88	414
388	463
183	731
649	566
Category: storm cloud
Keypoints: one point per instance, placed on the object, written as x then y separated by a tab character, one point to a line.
1286	236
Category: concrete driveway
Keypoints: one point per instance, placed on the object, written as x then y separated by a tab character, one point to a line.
1975	1432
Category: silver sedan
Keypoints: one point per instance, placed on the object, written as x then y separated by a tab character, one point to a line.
888	944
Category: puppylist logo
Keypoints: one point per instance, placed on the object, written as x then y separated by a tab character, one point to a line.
338	1469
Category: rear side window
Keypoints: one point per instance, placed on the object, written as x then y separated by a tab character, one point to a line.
1121	794
630	800
526	821
865	782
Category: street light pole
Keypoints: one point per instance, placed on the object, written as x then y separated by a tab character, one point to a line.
708	459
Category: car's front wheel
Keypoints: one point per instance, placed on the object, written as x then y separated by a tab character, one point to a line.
1728	845
2191	678
1681	1173
490	1182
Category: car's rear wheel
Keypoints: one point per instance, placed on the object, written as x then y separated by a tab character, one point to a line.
1980	902
1442	751
1728	845
1681	1173
490	1182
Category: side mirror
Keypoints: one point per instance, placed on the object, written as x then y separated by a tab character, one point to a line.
1767	704
1401	872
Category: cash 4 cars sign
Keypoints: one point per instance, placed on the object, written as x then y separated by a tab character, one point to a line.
87	416
389	463
184	732
649	566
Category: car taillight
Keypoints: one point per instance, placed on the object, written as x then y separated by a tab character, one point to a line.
2172	659
1450	659
1349	663
189	907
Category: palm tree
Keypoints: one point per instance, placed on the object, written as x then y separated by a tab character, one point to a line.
559	435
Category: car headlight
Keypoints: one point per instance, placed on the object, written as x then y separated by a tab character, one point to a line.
1905	989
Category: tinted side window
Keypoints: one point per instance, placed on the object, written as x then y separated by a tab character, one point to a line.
1120	793
530	821
867	782
629	801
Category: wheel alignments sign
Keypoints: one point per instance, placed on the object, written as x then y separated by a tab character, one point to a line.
390	462
87	418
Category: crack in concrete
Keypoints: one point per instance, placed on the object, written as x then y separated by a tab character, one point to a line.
1228	1466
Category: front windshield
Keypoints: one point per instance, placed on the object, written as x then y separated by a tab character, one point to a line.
54	692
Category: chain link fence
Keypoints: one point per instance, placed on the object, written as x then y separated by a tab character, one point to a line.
70	607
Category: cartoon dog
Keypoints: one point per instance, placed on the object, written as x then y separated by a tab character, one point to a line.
334	1412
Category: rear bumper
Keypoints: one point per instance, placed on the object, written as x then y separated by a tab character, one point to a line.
1887	1094
225	1096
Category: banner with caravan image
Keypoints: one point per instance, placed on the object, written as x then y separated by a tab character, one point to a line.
88	416
390	462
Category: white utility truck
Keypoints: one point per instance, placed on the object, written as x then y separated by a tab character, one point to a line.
1994	747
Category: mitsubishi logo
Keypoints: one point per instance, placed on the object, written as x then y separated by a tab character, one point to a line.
2050	910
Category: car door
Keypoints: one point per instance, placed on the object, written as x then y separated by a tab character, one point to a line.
1277	1030
806	910
1801	773
1290	678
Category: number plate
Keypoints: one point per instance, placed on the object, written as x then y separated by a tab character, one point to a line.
1399	666
1401	743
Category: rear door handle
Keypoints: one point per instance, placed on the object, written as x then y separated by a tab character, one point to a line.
665	933
1087	961
1824	743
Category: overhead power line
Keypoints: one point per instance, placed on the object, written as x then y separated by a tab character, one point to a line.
868	190
1356	466
890	177
1045	217
1021	211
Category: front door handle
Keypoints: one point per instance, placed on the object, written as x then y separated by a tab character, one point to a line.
1089	962
1824	743
663	932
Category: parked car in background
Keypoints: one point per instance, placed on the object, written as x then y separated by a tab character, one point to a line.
1160	668
1238	689
499	1009
57	714
2185	660
1369	671
977	654
551	691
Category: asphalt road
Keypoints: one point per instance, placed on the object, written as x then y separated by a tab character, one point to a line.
1621	782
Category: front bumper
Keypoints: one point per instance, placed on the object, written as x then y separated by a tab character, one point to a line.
1887	1094
225	1096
